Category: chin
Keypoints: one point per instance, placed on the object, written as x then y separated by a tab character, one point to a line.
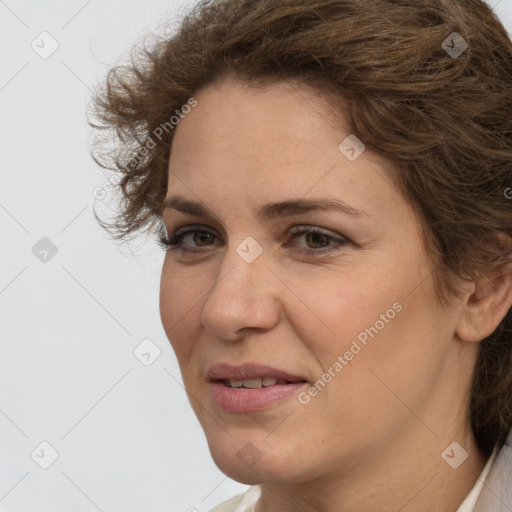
254	461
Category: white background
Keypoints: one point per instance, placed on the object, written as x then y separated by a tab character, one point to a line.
126	437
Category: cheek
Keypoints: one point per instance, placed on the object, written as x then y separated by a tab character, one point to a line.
178	312
335	311
377	328
398	362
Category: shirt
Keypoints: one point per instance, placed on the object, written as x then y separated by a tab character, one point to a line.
469	503
247	501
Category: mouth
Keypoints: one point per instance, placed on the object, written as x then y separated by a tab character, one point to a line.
256	382
251	387
251	375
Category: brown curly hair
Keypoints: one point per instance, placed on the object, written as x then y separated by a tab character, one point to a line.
443	122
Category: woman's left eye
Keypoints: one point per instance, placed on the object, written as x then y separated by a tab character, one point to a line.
317	236
319	241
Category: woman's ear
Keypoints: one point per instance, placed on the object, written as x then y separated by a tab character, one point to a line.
490	301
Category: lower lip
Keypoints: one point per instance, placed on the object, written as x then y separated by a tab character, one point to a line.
251	400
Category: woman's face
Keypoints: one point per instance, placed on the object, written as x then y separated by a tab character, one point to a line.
350	308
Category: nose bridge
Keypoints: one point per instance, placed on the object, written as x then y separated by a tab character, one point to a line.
243	267
243	294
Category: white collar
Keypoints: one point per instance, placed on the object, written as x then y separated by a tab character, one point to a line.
469	503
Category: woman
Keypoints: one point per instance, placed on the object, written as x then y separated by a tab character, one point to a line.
329	179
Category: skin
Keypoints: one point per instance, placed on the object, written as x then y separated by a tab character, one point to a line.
372	438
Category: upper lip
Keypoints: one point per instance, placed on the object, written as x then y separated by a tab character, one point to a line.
224	371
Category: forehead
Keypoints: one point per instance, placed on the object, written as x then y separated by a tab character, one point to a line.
240	143
263	123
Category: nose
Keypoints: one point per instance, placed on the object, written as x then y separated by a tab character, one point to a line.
244	297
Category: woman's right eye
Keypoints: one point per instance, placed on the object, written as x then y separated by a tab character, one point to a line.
175	242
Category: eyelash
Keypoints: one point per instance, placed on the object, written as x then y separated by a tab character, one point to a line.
174	243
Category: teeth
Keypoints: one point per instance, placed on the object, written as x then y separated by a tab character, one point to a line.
252	383
269	381
255	383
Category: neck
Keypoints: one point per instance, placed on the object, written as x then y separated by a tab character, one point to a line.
408	475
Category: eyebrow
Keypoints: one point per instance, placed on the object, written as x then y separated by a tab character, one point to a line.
269	211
